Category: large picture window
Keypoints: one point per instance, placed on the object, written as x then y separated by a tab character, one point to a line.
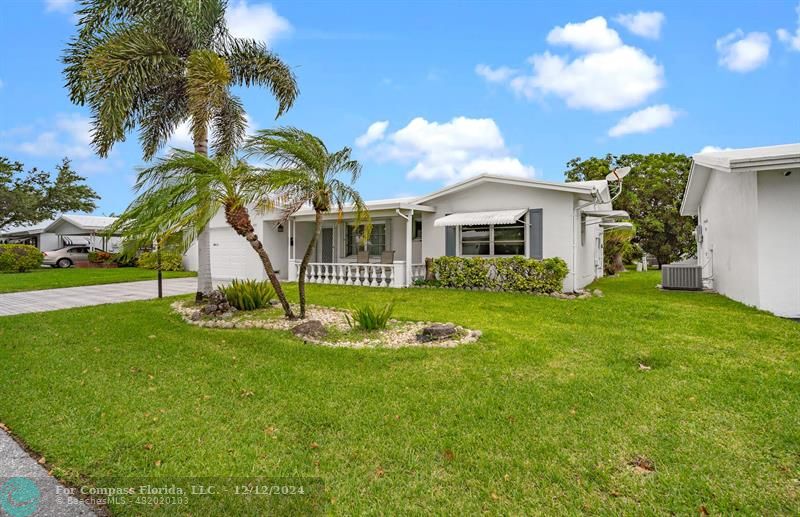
491	240
376	243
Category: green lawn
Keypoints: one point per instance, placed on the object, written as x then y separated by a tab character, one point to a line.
542	415
50	278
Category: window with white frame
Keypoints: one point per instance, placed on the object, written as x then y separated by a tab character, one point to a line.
493	239
376	244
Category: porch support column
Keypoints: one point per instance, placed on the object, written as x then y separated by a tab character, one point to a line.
409	251
290	275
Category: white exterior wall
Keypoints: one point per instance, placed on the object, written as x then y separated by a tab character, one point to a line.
728	214
233	257
49	242
559	220
779	242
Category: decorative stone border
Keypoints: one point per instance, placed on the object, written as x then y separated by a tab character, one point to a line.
399	334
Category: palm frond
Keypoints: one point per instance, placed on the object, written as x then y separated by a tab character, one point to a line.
251	63
230	124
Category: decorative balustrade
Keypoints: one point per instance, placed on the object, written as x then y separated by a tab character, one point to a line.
417	272
368	275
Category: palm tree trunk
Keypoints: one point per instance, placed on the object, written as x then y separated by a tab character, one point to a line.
204	284
239	219
301	281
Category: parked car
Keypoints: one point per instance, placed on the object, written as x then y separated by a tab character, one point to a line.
66	256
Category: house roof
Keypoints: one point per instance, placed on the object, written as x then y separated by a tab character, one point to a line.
752	159
84	222
587	188
32	229
403	203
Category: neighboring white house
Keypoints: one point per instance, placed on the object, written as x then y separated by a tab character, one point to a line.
747	202
65	230
487	215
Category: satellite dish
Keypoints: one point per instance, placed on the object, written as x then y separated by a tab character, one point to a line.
618	174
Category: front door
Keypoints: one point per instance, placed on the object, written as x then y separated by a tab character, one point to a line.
327	245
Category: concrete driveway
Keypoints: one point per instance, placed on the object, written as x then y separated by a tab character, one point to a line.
70	297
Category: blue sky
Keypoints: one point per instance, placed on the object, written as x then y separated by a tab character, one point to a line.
428	93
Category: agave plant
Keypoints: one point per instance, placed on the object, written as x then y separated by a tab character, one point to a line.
370	317
248	295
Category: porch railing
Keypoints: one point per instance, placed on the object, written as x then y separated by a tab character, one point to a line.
368	275
417	272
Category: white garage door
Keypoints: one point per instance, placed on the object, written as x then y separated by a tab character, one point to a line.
232	257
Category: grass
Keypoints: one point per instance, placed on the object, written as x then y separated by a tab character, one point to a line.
50	278
543	415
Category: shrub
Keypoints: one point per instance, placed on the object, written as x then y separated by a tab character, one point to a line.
370	317
19	257
170	260
501	273
100	257
248	295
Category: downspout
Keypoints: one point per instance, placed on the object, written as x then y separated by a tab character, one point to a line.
409	229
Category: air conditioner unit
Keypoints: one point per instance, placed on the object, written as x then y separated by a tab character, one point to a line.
684	277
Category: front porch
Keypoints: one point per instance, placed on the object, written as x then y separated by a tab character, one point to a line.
390	257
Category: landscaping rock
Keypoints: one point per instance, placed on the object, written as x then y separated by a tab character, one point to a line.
195	316
436	332
598	293
310	329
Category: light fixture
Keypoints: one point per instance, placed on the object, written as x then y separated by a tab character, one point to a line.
280	228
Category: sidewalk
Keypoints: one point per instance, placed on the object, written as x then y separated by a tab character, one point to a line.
27	489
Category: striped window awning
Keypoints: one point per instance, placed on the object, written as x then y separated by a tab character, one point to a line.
479	218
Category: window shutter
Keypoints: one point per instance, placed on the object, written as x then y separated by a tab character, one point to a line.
535	221
450	241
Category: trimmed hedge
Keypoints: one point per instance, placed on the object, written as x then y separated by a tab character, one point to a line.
501	273
170	261
19	257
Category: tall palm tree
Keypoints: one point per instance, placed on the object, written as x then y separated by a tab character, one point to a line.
304	172
154	64
180	194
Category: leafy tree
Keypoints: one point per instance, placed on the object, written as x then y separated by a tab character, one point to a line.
303	172
154	64
32	197
652	195
617	248
180	194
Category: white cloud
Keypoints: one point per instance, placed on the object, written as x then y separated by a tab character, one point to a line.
495	75
644	24
714	149
449	151
375	132
67	135
591	35
603	81
256	21
607	76
740	52
645	120
792	41
60	6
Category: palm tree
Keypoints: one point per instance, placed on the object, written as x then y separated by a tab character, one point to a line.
304	172
180	194
154	64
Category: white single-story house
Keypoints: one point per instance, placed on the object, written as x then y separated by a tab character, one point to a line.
487	215
747	202
64	230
